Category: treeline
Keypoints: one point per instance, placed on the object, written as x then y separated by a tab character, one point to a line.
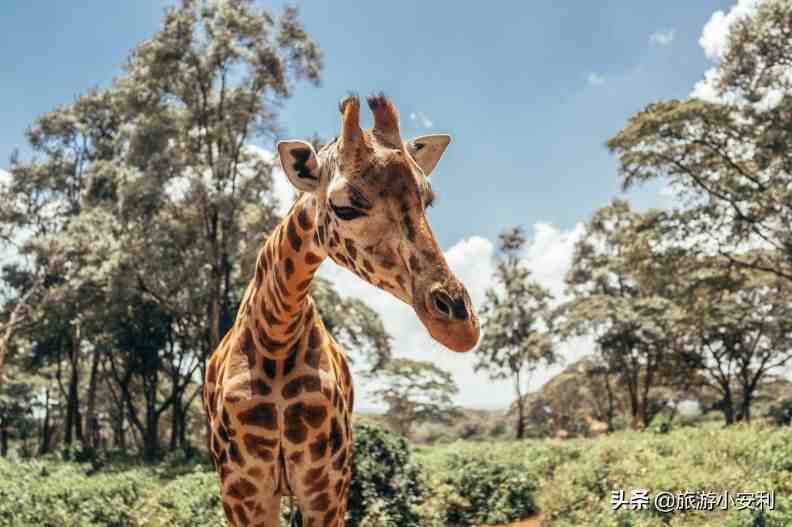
132	229
130	234
692	302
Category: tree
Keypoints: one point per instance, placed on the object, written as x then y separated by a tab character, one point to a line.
516	323
415	392
739	319
567	400
622	290
196	95
19	309
14	411
136	225
729	161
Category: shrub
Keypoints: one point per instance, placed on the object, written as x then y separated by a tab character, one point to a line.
781	413
475	486
64	496
385	488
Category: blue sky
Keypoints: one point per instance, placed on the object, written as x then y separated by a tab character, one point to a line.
530	92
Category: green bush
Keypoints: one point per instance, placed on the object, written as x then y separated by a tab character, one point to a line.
462	483
492	492
737	459
182	501
63	496
385	488
475	483
781	413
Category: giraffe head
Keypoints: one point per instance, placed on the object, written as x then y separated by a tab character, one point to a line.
371	191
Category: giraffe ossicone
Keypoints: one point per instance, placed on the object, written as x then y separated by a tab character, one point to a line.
278	390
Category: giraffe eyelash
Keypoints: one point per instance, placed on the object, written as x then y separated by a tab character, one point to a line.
358	199
347	213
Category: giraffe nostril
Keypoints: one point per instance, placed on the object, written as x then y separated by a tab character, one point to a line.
442	303
460	310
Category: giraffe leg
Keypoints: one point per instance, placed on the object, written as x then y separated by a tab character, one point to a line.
254	512
324	503
319	471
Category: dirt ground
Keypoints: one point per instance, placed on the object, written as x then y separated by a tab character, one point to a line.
533	521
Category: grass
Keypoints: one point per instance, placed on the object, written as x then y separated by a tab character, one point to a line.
464	483
576	478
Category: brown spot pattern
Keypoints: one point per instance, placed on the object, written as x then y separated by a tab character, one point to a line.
262	414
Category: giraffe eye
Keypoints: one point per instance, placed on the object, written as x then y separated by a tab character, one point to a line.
347	213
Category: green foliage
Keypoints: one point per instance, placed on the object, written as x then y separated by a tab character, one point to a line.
516	322
455	484
728	160
416	392
479	490
54	495
781	413
385	487
738	459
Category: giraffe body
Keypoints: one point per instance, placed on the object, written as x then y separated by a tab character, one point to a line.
278	390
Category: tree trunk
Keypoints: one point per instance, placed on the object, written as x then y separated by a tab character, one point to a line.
151	446
44	445
73	418
647	414
183	429
72	407
727	407
520	432
745	405
91	419
3	439
635	411
119	439
14	319
176	419
214	316
611	404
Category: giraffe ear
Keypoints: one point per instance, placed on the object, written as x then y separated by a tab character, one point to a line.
299	162
427	150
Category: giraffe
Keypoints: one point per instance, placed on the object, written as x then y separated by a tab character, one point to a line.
278	391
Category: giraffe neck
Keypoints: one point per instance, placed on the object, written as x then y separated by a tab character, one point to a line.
277	301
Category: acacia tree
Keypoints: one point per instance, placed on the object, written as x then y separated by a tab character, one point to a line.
623	292
729	161
515	323
739	321
416	392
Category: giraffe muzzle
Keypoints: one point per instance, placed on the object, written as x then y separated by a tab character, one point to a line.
444	306
448	315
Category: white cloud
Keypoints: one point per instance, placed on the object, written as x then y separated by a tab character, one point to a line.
548	255
595	79
706	89
5	177
422	119
662	38
714	35
714	40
